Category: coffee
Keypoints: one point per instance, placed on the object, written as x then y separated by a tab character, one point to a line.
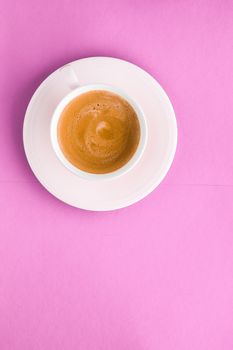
98	132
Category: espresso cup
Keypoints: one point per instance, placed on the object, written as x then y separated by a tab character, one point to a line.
71	80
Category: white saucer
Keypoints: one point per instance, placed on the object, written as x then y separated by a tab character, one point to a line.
109	194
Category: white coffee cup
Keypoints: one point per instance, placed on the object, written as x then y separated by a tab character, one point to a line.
72	81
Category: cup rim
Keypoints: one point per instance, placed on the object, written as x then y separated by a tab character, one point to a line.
54	139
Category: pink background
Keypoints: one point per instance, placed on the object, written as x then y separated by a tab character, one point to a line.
156	275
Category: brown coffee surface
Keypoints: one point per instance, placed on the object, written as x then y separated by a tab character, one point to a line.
98	132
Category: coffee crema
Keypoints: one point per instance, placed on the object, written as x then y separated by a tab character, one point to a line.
98	132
